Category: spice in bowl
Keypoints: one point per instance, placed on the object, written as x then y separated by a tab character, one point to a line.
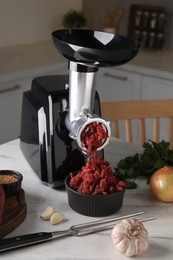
10	181
5	179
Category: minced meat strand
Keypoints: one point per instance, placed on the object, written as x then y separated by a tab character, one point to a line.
93	136
96	177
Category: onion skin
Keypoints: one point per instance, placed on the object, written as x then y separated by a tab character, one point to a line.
161	184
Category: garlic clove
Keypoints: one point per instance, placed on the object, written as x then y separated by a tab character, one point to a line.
56	218
47	213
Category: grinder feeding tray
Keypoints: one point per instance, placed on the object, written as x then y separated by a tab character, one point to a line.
59	108
95	48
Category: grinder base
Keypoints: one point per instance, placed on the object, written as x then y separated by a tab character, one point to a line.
45	140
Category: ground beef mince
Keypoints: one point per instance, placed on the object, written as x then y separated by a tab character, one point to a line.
96	177
93	136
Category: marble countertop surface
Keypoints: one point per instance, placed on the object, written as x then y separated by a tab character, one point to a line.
28	59
96	246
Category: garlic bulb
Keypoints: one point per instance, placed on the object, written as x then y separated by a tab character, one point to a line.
130	237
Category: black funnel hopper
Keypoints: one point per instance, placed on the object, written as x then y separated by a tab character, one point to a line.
95	48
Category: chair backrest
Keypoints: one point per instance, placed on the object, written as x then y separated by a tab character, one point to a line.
140	111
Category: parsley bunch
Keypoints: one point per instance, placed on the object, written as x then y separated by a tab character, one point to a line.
154	156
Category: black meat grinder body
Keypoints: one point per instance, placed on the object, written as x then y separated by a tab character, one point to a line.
45	140
58	108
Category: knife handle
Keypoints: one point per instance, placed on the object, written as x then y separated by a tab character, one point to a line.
24	240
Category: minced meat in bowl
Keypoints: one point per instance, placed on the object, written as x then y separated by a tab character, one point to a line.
95	190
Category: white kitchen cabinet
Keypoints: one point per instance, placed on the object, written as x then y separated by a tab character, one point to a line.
10	108
156	88
11	94
118	85
112	84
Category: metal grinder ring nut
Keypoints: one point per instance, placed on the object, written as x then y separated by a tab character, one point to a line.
106	125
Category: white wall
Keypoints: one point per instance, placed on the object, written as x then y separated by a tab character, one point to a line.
27	21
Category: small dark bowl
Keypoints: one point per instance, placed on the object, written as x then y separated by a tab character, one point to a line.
94	205
11	188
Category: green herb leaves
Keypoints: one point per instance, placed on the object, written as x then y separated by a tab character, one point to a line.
154	156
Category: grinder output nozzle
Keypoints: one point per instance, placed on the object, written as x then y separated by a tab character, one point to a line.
83	132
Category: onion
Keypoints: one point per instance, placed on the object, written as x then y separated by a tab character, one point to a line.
161	184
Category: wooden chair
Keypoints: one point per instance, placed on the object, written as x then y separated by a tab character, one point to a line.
140	110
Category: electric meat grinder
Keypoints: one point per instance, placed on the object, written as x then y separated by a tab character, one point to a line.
58	108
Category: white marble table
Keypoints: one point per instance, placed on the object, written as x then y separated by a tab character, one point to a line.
94	246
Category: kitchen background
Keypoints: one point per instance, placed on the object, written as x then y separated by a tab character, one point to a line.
28	21
23	21
94	10
27	51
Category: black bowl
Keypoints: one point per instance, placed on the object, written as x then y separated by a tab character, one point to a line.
13	182
94	205
95	48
